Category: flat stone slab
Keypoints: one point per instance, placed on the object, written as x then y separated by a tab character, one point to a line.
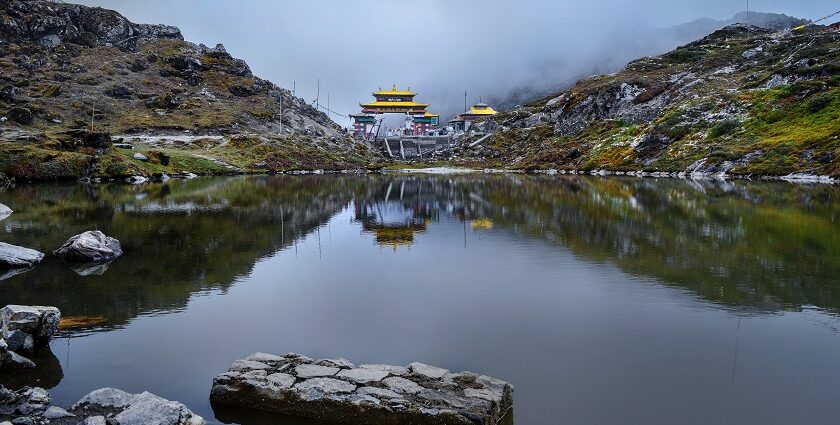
338	391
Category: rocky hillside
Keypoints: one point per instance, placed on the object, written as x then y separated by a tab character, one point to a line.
70	70
743	100
644	41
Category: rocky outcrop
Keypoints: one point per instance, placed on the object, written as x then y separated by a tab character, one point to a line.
23	329
89	247
103	406
52	23
341	392
13	256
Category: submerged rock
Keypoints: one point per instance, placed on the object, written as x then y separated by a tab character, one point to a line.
337	391
12	256
89	247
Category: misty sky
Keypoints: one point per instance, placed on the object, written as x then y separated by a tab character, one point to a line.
438	47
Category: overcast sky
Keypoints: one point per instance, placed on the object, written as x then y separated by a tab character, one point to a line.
437	47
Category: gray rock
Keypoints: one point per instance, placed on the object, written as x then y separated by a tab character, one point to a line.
89	247
47	326
96	420
427	371
314	371
265	358
339	363
402	385
51	41
20	342
17	257
282	380
362	375
325	386
20	317
105	397
55	412
135	409
9	360
393	370
378	392
489	394
147	408
5	211
140	157
249	365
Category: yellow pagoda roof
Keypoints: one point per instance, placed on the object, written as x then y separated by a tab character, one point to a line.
481	109
395	92
388	104
429	114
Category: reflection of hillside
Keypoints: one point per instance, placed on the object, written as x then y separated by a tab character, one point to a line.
764	245
179	238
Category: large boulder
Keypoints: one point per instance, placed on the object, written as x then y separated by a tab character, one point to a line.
21	115
89	247
22	330
13	256
40	322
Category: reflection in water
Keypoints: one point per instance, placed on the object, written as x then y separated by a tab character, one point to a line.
563	272
47	374
765	245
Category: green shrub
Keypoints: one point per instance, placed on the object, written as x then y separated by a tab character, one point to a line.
820	102
725	127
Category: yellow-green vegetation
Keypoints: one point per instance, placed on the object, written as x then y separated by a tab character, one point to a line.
52	158
27	162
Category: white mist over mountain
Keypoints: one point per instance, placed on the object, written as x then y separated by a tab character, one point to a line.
494	49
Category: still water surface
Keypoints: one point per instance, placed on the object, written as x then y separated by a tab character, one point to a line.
602	300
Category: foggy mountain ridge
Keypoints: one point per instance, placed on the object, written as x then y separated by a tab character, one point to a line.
493	49
555	75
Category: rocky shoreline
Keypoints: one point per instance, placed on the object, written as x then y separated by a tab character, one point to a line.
337	390
105	406
25	329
